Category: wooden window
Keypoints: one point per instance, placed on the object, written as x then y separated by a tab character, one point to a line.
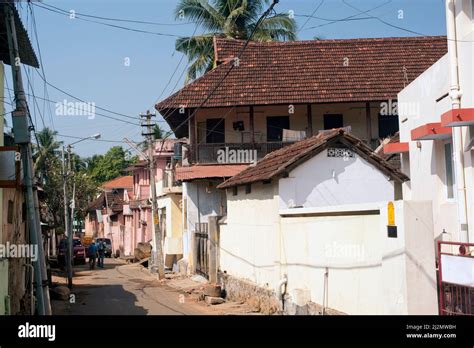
215	130
235	191
248	188
23	211
388	125
448	157
332	121
275	126
10	212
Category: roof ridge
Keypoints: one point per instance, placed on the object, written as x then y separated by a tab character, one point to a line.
297	42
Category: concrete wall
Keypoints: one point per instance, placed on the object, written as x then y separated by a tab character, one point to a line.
15	233
426	160
249	240
2	112
326	181
173	232
201	199
353	115
367	272
425	163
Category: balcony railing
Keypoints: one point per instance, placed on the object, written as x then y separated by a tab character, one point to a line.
236	152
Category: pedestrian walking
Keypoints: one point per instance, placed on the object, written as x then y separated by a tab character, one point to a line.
92	255
101	250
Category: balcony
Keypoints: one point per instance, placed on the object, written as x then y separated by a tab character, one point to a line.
236	152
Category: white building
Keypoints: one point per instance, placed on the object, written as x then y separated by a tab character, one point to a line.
314	217
437	134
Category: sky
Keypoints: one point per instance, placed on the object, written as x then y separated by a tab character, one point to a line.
126	71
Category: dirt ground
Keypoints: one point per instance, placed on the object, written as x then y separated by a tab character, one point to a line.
129	289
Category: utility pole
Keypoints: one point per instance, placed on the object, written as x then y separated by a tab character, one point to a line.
69	214
67	230
21	131
157	264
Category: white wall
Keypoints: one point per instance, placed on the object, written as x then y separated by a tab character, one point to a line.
426	159
368	273
211	202
249	241
326	181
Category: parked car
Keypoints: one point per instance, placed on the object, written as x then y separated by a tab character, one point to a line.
79	252
108	244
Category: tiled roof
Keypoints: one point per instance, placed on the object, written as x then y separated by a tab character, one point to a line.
120	182
208	171
97	203
317	71
112	200
115	201
282	161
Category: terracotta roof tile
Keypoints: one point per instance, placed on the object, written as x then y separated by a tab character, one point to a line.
311	71
120	182
208	171
279	162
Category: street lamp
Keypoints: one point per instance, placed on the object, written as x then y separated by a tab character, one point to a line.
67	223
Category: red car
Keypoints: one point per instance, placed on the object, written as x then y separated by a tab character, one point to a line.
79	251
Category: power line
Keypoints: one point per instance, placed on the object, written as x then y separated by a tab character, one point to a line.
119	19
68	14
176	69
262	17
96	113
45	89
349	18
312	14
35	102
81	100
103	140
396	26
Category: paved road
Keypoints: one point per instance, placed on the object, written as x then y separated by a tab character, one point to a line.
121	289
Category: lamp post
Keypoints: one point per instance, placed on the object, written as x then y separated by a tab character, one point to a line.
69	217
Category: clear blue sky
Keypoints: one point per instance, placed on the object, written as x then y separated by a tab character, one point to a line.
88	60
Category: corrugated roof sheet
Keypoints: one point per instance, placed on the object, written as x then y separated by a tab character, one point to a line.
27	54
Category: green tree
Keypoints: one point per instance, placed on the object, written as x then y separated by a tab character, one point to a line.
110	165
231	19
47	150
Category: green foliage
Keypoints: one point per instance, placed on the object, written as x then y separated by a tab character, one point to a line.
49	148
227	18
87	174
106	167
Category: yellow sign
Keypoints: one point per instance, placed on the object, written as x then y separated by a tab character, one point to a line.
391	214
156	220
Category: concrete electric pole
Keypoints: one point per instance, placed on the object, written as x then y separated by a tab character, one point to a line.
157	264
21	130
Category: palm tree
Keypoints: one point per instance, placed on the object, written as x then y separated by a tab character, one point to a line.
48	148
231	19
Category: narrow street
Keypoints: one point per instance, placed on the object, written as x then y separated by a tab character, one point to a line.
123	289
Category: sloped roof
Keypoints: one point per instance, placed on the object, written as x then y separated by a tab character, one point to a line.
220	171
125	182
112	200
97	203
278	163
26	52
315	71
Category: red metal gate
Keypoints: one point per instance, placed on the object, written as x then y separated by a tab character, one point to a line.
456	278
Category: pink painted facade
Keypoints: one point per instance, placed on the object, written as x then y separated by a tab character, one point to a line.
140	221
123	212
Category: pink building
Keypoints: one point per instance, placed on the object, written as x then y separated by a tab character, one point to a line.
137	210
